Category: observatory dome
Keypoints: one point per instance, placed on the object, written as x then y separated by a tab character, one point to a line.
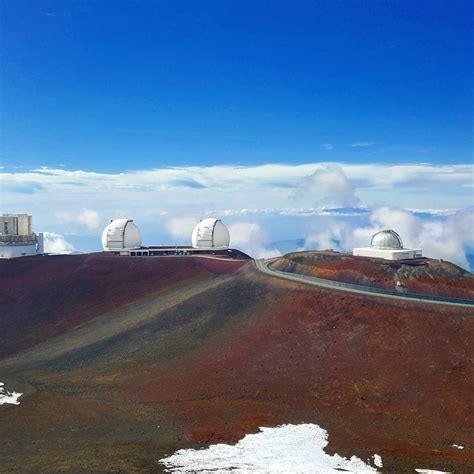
386	239
210	233
121	234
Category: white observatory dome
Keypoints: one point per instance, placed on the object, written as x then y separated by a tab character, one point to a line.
121	234
210	233
386	239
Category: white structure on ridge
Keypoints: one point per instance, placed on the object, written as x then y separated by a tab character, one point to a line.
387	244
17	238
121	234
210	233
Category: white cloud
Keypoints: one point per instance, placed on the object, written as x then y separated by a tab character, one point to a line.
56	243
328	187
78	202
252	239
87	217
239	186
181	227
232	177
332	236
362	144
328	146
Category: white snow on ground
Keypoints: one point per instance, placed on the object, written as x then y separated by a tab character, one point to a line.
458	446
377	460
431	471
8	397
286	448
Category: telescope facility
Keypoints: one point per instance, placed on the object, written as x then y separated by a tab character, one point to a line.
121	235
209	237
17	238
387	244
210	233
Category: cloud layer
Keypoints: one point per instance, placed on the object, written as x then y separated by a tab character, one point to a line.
328	187
271	177
62	199
87	217
331	204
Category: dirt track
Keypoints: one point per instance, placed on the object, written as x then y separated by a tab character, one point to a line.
233	350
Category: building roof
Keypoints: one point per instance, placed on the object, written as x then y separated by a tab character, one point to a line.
386	239
210	233
120	234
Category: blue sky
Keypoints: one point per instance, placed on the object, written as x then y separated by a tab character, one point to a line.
312	121
112	86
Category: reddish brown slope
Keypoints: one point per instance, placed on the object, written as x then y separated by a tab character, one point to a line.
387	377
45	296
424	276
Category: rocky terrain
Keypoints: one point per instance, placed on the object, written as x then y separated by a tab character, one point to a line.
423	275
122	361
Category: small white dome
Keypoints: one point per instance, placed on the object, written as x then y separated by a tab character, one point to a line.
210	233
121	234
386	239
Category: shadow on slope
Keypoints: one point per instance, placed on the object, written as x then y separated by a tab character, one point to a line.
45	296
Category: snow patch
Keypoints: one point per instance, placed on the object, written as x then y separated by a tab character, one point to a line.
457	446
431	471
377	460
9	397
287	448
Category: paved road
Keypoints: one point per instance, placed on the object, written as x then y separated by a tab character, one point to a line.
262	265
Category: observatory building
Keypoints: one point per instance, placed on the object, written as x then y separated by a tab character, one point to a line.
121	235
17	238
209	237
210	234
387	244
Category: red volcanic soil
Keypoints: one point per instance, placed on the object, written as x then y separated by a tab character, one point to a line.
45	296
423	276
219	356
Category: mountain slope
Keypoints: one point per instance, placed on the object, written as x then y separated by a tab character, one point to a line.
44	297
211	358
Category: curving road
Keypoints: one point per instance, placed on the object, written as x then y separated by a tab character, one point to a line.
262	266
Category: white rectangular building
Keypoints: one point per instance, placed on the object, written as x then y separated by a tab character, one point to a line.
16	224
387	254
17	238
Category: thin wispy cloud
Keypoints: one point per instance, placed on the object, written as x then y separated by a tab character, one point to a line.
299	211
87	217
362	144
28	187
328	146
188	183
54	15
